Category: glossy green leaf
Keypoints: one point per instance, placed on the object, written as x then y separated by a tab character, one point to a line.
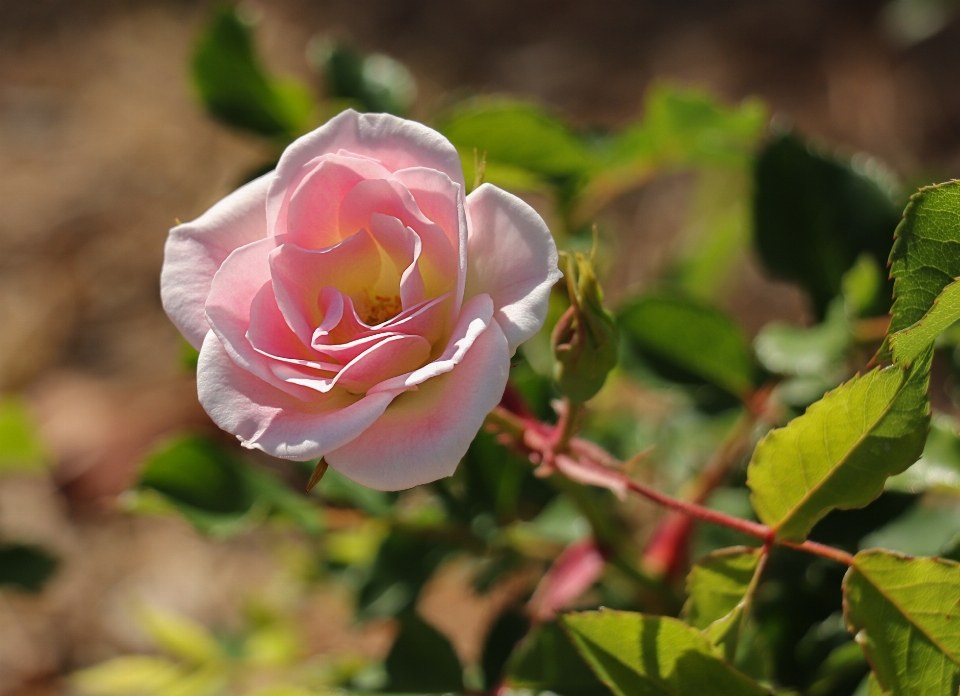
905	613
422	660
518	134
907	344
132	675
546	660
374	83
926	255
25	567
21	448
638	655
814	215
237	90
720	587
677	330
841	451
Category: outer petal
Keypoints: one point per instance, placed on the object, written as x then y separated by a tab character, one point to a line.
195	250
268	419
395	142
512	257
425	433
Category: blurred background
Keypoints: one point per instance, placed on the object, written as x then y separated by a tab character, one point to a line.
104	143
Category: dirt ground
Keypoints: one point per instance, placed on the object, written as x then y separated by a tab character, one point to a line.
102	145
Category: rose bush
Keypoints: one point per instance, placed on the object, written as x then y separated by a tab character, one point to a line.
353	304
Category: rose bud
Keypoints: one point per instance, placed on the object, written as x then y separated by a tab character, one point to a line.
585	338
353	304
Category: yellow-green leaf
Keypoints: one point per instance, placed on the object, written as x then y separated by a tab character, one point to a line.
905	613
180	636
841	451
639	655
134	675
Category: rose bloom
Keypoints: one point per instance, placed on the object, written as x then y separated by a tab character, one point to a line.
353	304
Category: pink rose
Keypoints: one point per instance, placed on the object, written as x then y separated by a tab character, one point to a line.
354	305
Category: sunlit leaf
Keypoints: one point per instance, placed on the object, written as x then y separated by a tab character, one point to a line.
25	567
21	448
869	687
180	636
814	215
720	587
236	89
638	655
547	660
677	330
841	451
422	660
133	675
904	612
517	134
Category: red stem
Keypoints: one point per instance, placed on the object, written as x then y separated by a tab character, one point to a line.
705	514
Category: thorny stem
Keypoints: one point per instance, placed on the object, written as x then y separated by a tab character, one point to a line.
536	438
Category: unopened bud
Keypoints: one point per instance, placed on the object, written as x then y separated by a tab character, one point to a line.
585	337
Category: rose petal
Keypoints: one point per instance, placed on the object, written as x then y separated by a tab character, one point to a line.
392	354
232	293
425	433
394	142
438	263
311	217
269	333
441	200
195	251
268	419
511	256
475	317
402	245
299	274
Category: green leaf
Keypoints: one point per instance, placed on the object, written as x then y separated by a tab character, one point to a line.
720	588
20	446
839	453
677	330
236	89
422	660
869	687
518	134
904	613
938	469
402	567
196	471
907	344
336	488
133	675
927	529
375	83
25	567
926	254
683	125
507	631
814	215
638	655
786	349
547	660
